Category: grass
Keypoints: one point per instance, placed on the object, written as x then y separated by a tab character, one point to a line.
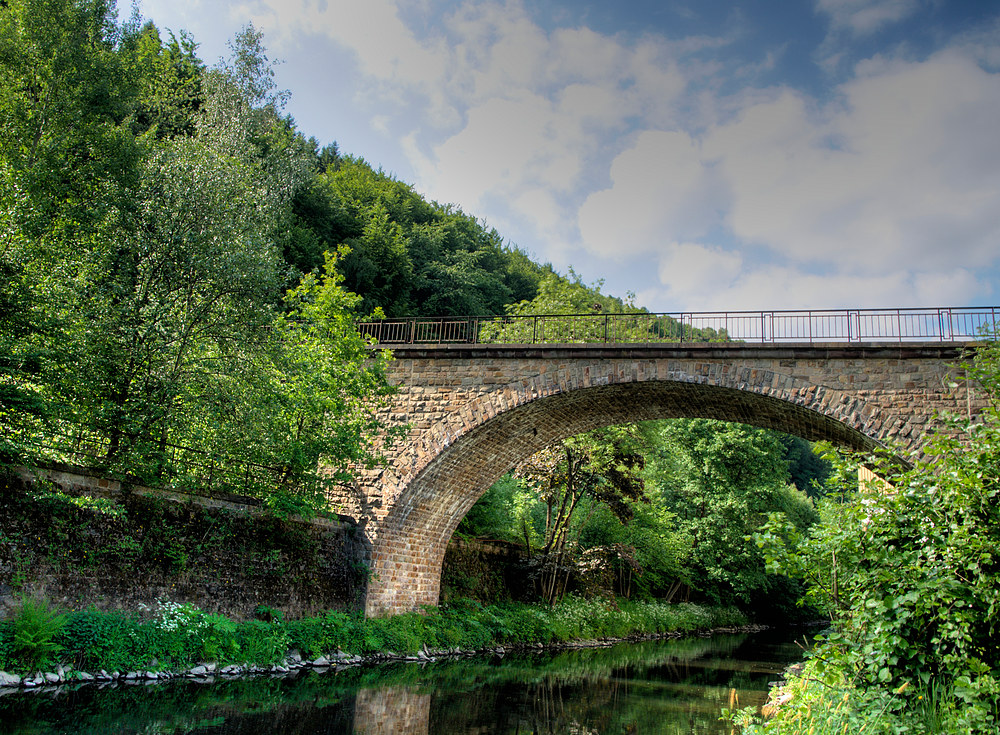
174	636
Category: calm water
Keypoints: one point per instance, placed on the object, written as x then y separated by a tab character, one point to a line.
657	687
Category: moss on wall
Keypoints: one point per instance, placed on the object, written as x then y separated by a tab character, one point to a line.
119	552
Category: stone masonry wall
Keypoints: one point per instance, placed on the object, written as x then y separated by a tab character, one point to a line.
474	411
97	543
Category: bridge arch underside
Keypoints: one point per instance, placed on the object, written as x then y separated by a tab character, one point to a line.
407	555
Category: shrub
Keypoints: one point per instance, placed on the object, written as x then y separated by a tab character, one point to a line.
34	632
5	644
262	643
910	570
101	640
307	635
219	638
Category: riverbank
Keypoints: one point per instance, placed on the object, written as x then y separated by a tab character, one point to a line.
41	648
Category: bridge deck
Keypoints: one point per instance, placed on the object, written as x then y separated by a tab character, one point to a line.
679	350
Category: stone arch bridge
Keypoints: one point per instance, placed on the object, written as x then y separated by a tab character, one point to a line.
474	411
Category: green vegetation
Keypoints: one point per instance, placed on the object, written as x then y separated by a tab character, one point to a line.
179	263
909	572
652	512
173	636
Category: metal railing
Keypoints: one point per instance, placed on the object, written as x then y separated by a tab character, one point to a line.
944	324
175	466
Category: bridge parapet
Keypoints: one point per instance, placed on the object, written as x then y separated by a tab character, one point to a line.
942	324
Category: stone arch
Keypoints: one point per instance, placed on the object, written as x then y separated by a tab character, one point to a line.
457	459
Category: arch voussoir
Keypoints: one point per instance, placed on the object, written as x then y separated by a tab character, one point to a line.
502	405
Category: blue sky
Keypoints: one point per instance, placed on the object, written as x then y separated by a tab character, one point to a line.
702	154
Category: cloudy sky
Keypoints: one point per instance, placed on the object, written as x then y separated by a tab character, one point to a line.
703	154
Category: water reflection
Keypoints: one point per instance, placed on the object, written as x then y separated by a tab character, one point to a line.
656	687
392	711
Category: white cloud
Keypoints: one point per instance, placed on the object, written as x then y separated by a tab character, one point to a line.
539	110
694	273
907	163
866	16
892	192
506	144
385	47
705	279
662	190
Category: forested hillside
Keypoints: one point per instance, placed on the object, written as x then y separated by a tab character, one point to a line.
179	262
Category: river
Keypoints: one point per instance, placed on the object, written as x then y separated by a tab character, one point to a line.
669	687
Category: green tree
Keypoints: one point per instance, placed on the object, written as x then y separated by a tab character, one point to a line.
68	167
720	481
406	255
170	80
311	397
22	403
910	572
571	481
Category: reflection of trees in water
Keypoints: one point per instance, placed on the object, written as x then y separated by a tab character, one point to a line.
639	688
665	687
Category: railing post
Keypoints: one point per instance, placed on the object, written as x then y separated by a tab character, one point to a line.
413	331
946	314
534	330
605	329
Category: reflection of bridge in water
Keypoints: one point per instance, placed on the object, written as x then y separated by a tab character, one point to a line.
654	686
395	710
480	394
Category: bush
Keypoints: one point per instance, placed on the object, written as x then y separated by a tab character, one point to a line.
34	632
5	643
910	570
179	635
101	640
262	643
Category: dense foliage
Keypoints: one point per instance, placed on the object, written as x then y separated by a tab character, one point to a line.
405	255
909	571
651	511
178	262
174	636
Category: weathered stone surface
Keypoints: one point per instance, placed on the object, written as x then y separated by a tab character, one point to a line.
475	411
392	710
233	576
9	680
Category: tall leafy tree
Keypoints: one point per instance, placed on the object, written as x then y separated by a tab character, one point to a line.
601	468
69	164
170	80
720	481
311	396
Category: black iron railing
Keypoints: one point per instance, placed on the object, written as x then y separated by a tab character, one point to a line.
952	324
171	465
